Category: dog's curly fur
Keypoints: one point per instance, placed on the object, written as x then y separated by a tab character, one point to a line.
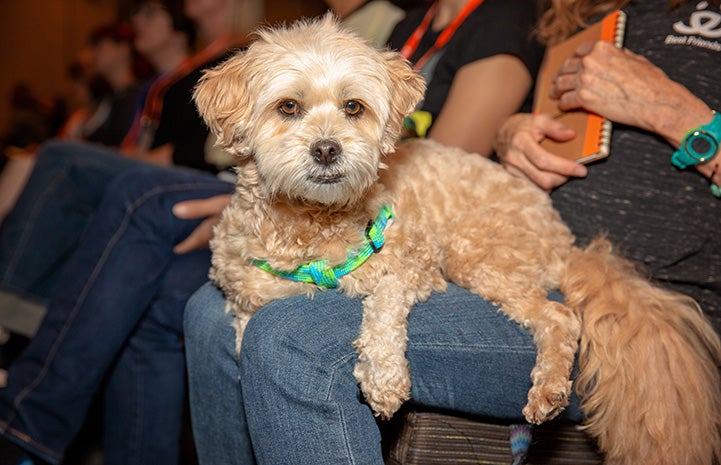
313	114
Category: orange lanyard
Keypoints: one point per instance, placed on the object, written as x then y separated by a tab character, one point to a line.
150	115
415	39
154	106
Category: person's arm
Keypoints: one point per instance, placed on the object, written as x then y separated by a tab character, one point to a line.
629	89
483	95
614	83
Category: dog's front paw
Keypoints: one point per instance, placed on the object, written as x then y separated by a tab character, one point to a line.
385	386
546	401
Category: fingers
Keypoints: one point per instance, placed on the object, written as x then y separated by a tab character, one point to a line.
577	81
711	170
210	209
554	129
521	153
544	179
201	208
545	169
199	238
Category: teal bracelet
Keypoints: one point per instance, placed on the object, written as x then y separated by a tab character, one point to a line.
715	189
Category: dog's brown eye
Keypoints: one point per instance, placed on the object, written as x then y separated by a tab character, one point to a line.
289	107
353	108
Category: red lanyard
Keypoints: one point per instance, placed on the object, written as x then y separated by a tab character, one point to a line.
150	115
415	39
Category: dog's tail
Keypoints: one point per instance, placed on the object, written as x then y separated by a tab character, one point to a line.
649	364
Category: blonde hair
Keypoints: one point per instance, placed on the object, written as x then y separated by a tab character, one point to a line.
564	17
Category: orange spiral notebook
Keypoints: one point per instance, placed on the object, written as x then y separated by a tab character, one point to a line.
593	132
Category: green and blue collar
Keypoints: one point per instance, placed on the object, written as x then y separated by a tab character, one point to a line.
321	274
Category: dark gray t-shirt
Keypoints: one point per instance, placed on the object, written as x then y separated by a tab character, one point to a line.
660	217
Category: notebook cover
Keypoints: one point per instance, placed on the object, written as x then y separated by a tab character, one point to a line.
593	132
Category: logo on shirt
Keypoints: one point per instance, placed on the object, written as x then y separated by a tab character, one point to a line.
704	25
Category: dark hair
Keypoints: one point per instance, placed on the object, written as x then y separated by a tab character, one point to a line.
181	23
118	32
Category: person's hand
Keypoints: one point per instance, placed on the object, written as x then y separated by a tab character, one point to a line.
517	146
210	209
627	88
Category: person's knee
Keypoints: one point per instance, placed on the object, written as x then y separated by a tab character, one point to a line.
302	336
89	167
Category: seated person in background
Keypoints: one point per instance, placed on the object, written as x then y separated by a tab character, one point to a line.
84	91
169	53
114	75
478	361
126	279
118	65
489	49
644	203
106	119
372	19
70	178
31	123
99	335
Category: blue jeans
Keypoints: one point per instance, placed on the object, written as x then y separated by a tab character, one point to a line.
291	398
116	315
52	213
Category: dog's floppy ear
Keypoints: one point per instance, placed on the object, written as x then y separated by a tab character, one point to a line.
408	88
223	100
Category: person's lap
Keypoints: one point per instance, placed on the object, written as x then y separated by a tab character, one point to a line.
464	356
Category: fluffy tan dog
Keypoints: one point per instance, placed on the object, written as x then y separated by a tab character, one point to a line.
313	115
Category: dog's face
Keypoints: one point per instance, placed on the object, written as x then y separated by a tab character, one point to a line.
316	108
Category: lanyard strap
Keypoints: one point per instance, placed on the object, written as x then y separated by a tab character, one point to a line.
415	39
149	117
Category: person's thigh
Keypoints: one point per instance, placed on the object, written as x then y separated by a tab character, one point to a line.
464	354
297	369
52	213
297	364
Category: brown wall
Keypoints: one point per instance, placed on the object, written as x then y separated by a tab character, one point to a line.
39	38
283	10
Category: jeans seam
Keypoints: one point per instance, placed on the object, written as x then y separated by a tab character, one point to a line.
339	409
73	313
37	447
12	263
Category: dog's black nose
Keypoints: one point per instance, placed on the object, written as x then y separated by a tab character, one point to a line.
325	151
